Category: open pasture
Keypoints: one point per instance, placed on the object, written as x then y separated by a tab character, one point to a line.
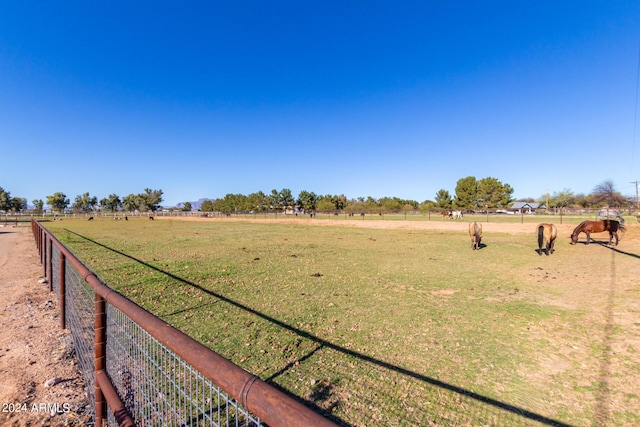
399	324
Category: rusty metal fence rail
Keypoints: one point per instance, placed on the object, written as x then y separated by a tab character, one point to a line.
141	371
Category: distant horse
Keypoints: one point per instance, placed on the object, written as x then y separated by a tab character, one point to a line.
547	234
589	227
456	214
445	214
607	213
151	218
475	232
90	218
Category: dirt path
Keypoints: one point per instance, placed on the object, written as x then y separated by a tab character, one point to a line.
40	383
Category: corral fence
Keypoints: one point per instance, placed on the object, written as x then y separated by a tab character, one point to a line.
138	370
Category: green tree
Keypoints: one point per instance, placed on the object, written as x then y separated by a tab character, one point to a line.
324	203
257	201
443	199
5	200
493	193
207	206
466	193
149	200
562	199
18	204
390	204
38	204
282	199
84	203
130	203
339	201
111	203
58	202
307	200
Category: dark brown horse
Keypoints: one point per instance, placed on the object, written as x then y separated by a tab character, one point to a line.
589	227
475	232
547	234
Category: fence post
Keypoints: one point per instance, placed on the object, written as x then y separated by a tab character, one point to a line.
62	290
100	344
43	257
50	265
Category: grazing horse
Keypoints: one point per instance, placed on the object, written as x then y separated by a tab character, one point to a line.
547	234
589	227
475	232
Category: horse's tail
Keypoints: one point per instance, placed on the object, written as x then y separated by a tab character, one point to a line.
540	236
621	227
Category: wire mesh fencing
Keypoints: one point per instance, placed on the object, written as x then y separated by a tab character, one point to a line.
160	388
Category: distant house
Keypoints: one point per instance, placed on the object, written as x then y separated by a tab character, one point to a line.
526	207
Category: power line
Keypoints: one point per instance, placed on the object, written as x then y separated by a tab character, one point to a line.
635	118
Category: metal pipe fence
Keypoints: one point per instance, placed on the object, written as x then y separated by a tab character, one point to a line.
139	370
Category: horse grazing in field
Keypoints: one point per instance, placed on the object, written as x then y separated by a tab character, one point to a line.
445	214
547	234
589	227
475	232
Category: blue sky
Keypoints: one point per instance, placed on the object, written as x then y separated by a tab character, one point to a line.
201	99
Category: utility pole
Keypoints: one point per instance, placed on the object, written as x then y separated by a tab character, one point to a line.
636	183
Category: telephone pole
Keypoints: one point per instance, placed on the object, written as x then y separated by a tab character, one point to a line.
636	183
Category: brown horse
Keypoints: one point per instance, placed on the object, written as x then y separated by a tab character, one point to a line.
475	232
547	234
589	227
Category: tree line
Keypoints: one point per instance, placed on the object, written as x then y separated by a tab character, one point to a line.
148	201
470	193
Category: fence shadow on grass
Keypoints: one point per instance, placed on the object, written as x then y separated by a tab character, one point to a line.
322	344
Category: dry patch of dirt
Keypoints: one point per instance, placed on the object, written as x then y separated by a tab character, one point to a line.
40	383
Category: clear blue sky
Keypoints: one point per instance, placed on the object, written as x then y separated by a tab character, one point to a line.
361	98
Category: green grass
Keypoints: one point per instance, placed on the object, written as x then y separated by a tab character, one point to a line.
375	327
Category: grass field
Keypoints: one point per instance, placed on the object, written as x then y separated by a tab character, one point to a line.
394	326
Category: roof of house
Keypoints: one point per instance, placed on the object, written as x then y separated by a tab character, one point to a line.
526	205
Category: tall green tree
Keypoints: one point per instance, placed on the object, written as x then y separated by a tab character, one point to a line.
149	200
307	200
282	199
207	206
130	203
111	203
5	200
18	204
38	204
443	199
466	193
493	193
58	202
84	203
257	201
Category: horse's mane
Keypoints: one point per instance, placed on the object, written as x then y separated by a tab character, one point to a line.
579	228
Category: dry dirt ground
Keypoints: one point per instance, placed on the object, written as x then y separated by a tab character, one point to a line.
40	383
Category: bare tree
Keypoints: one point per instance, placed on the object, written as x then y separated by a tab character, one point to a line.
605	193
